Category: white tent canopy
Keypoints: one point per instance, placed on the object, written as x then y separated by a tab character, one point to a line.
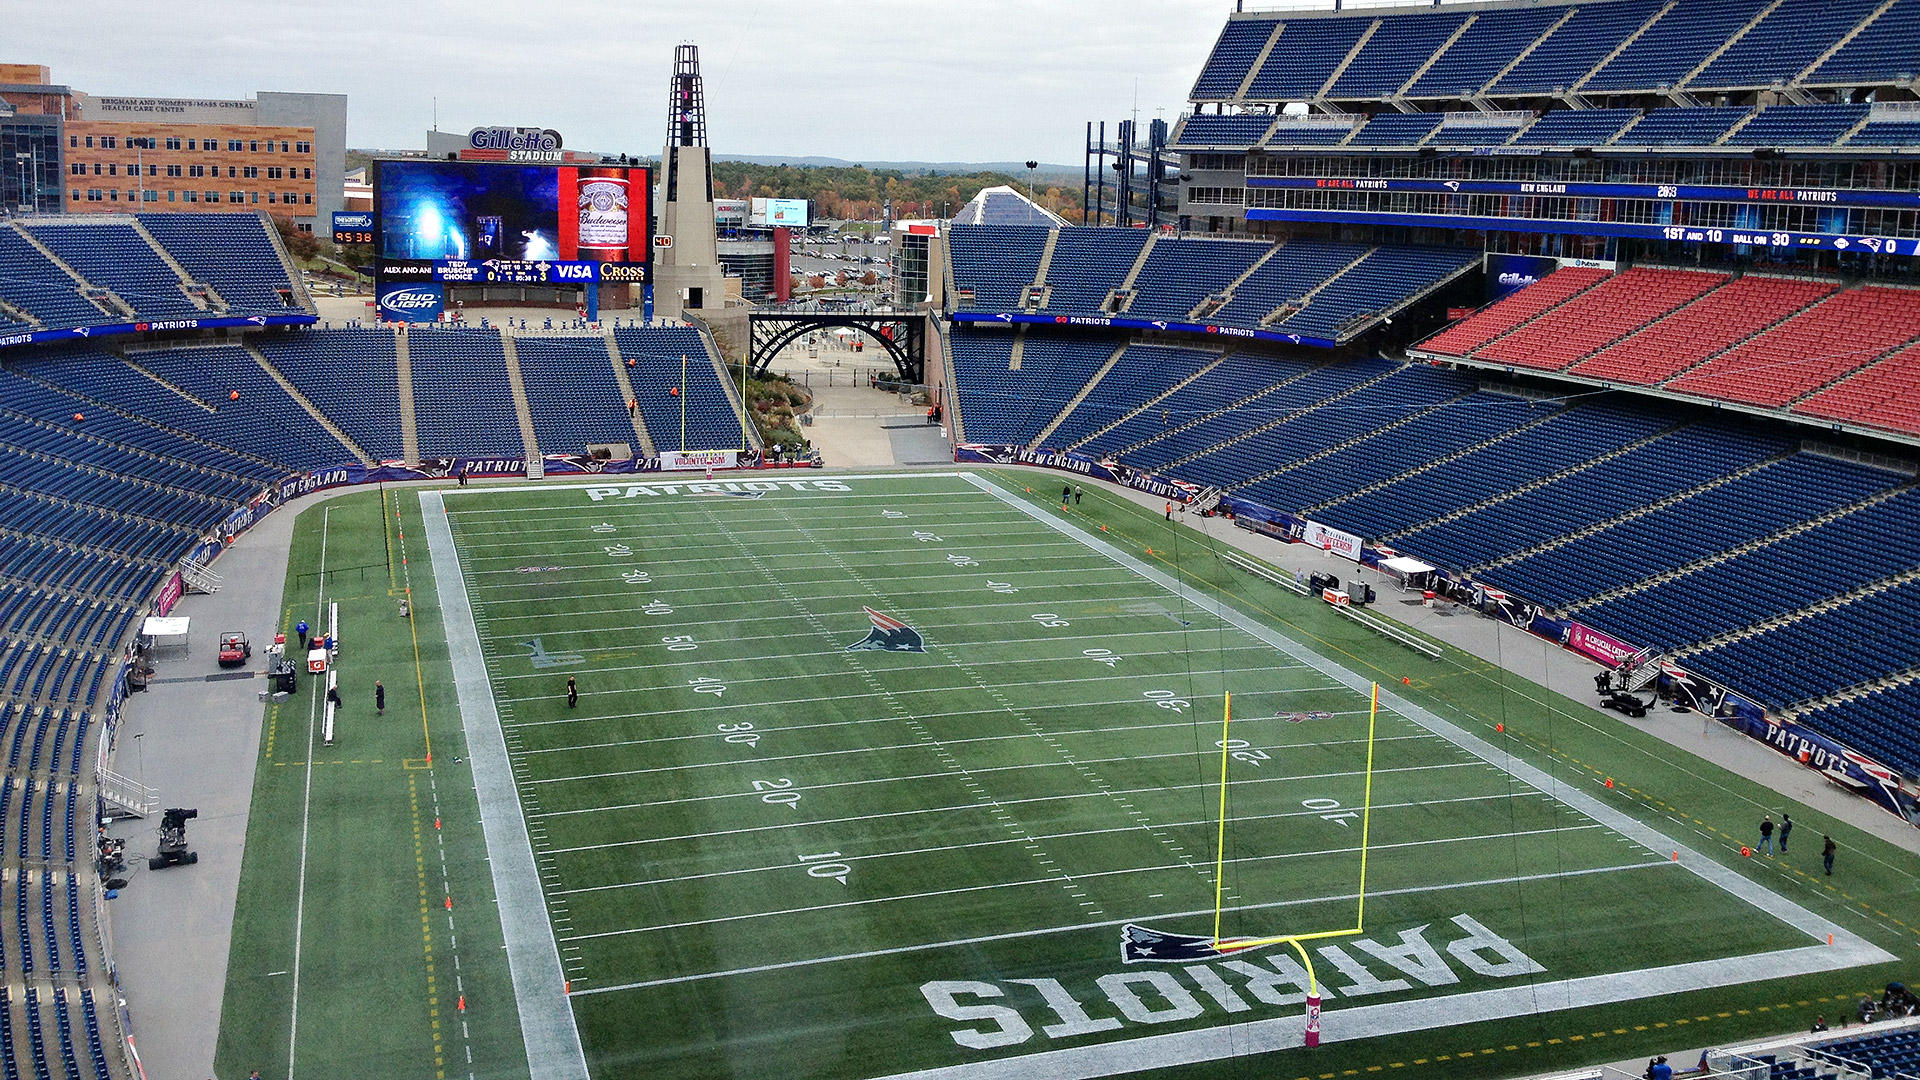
1400	564
167	632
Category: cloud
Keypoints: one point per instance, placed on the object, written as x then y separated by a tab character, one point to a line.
855	79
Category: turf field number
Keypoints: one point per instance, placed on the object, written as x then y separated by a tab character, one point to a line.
892	514
777	794
741	733
637	577
925	537
1242	750
1166	699
820	868
680	643
707	685
1100	656
1003	587
1337	816
963	560
657	607
1048	618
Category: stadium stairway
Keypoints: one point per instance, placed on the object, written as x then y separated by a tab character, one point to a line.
100	297
1637	512
306	403
645	442
409	420
209	300
1864	592
1298	304
1153	401
1533	485
1238	403
1625	44
1736	551
1040	274
1040	439
1800	711
1432	463
1732	39
521	409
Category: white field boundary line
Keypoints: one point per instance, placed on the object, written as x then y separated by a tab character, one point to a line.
1017	935
533	957
693	477
306	804
770	549
993	515
1056	879
1237	860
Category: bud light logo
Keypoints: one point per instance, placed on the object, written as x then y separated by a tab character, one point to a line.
412	303
514	138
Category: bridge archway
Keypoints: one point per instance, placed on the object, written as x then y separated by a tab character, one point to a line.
903	336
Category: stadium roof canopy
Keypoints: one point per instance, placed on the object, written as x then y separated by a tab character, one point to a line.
1004	206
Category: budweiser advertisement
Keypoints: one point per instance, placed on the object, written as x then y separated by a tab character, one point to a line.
475	222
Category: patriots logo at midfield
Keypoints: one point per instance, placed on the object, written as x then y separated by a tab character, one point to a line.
1145	945
889	635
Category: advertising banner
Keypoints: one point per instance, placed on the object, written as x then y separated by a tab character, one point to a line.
1344	544
1591	643
681	461
1068	461
1662	192
1849	768
475	221
352	227
412	301
169	595
1508	273
211	322
1791	241
1120	322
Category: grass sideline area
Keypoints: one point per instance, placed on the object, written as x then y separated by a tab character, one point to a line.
980	818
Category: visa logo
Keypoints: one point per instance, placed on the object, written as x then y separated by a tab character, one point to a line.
573	271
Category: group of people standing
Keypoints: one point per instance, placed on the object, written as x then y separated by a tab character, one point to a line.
1784	830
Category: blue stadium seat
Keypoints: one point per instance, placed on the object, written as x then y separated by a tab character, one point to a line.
706	413
111	254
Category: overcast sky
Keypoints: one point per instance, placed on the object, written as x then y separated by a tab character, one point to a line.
983	80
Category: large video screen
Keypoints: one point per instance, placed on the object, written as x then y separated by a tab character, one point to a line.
469	221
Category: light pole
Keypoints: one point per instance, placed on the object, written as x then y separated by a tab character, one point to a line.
140	754
1031	166
29	197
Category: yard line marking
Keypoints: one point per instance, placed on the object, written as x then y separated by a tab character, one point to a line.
1029	839
306	802
962	890
1016	935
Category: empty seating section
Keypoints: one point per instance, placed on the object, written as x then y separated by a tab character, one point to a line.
1562	441
462	401
1296	415
1142	373
262	418
1478	54
116	257
1297	267
1681	127
1716	321
1235	132
572	394
1304	56
1088	264
1179	274
1237	376
1428	432
1781	45
1396	129
1292	131
1770	580
1859	641
980	370
1581	497
1052	371
1888	133
1674	45
1232	58
705	417
1567	53
233	253
1798	125
1881	52
1883	395
1805	352
1727	515
1474	134
996	262
34	285
1576	127
1385	279
1395	51
350	375
1598	317
1512	310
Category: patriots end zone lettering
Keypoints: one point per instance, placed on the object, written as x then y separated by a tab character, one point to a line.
713	488
1166	995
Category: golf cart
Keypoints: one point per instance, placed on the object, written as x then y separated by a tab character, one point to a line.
235	649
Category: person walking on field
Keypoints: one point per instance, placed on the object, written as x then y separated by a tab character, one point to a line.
1077	492
1786	826
379	699
1066	495
573	693
1169	511
1766	834
1826	854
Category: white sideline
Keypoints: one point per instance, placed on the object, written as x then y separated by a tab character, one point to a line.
533	957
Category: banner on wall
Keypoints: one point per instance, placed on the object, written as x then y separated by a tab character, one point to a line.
1326	537
683	460
1593	644
170	593
1068	461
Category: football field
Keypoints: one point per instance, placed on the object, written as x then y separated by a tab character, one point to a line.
877	775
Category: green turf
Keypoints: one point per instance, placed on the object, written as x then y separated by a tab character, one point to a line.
997	805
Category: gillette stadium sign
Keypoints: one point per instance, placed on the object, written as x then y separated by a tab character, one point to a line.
520	143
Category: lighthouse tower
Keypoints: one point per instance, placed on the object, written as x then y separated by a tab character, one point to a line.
687	275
